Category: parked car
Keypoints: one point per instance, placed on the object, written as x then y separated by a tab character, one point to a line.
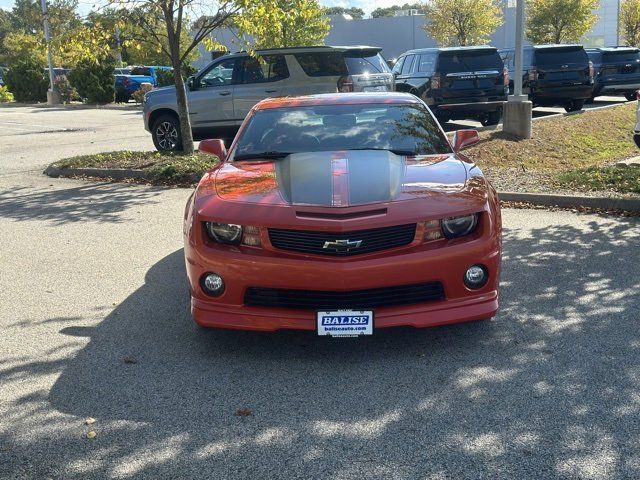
57	72
343	214
554	75
2	71
636	131
221	94
121	92
617	71
133	81
456	83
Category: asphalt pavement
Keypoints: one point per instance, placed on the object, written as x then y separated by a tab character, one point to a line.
95	324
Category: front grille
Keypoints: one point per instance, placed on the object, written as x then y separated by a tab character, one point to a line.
355	299
372	240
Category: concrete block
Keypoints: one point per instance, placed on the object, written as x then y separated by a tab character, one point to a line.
516	119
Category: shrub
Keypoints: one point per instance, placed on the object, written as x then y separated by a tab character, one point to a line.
94	82
164	78
138	95
5	95
27	82
67	92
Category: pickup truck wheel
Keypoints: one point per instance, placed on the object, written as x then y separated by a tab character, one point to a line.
574	105
166	134
491	118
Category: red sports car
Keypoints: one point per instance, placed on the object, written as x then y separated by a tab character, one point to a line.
342	213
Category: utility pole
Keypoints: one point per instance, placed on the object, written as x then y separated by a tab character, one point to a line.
517	110
53	96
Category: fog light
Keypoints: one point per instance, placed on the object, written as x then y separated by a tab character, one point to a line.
212	284
476	276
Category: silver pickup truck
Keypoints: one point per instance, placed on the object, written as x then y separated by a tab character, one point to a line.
222	93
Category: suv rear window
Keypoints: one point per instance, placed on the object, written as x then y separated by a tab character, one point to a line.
469	61
141	71
561	56
620	57
365	61
322	64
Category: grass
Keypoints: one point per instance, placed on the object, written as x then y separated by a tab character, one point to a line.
619	179
175	169
588	139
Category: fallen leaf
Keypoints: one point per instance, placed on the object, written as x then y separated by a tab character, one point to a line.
89	421
91	434
244	412
130	360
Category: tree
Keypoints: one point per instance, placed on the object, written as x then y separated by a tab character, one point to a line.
355	12
560	21
173	17
630	22
463	22
284	23
26	16
391	11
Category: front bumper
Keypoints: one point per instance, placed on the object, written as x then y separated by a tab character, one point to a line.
408	266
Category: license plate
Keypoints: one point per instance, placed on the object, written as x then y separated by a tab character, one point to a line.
345	323
379	88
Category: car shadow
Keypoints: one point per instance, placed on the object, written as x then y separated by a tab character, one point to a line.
548	388
96	202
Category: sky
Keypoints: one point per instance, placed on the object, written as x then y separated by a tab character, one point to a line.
367	5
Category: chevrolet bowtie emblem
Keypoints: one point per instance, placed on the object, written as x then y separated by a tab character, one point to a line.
342	245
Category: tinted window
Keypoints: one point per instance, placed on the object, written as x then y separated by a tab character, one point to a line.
470	61
267	68
220	74
554	57
322	64
620	57
508	57
397	68
358	63
343	127
428	62
141	71
408	65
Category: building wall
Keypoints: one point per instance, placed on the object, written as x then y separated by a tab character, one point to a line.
398	34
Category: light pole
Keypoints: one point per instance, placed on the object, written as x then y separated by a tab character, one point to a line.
517	110
53	96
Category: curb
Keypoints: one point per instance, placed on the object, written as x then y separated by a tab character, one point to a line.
572	201
111	174
545	199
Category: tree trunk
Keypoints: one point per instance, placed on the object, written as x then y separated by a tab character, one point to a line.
183	111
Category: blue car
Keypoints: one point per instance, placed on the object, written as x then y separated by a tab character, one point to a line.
617	71
127	84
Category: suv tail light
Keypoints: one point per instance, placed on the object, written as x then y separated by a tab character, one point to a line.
435	80
126	82
505	76
533	74
345	84
592	72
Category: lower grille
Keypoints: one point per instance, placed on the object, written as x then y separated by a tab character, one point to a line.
371	240
355	299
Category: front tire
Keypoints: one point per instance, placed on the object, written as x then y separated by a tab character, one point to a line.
574	106
166	134
630	96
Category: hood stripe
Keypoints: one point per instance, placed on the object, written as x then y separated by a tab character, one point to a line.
340	181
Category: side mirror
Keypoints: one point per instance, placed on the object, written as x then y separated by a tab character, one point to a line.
191	83
214	147
464	138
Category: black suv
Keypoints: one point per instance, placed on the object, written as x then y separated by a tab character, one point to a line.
460	82
554	75
617	71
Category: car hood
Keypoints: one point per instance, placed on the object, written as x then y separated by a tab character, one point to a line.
340	178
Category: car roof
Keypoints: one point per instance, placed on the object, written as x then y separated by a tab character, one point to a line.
612	49
543	47
338	99
313	49
452	49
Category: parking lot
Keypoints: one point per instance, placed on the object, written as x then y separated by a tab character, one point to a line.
94	310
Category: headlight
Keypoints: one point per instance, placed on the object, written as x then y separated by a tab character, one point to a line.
224	232
454	227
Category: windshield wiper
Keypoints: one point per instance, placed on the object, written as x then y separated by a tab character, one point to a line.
408	153
270	155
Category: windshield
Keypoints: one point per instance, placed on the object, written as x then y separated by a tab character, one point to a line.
555	57
359	63
141	71
402	129
470	61
624	56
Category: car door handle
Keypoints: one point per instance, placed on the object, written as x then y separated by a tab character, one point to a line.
271	91
225	93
